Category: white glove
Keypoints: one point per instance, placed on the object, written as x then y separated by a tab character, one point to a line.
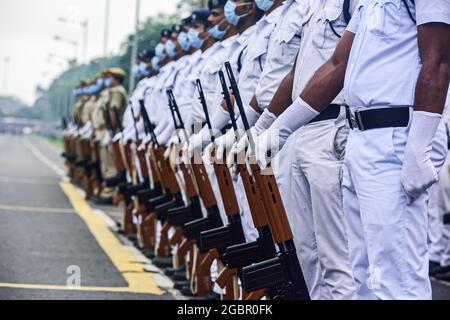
222	145
220	118
117	137
164	137
263	123
88	133
129	135
174	140
199	141
106	140
145	141
418	172
297	115
252	117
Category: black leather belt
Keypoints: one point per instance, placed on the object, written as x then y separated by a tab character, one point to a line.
331	112
379	118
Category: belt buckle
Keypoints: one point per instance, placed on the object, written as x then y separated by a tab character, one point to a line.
352	121
358	121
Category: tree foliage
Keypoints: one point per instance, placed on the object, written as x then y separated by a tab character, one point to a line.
56	102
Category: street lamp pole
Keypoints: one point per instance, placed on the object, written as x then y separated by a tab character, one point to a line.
134	48
85	26
71	42
6	61
106	28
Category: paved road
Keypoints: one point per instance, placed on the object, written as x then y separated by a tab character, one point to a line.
44	240
46	228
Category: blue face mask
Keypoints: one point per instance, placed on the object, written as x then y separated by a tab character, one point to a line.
216	33
183	40
264	5
136	72
194	39
108	83
170	49
159	51
97	87
155	62
100	82
230	12
143	69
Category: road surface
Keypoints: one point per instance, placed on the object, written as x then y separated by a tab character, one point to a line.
52	244
55	245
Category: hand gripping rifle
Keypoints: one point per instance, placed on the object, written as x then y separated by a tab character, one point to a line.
283	272
232	233
147	225
118	159
221	238
238	255
155	205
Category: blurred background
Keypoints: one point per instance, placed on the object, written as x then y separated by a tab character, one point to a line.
48	46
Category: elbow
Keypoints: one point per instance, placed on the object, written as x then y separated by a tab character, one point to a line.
436	68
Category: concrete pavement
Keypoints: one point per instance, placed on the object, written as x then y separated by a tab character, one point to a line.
50	237
49	233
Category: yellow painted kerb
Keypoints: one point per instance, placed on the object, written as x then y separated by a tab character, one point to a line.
124	260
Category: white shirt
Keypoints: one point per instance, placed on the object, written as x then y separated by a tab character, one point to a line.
194	104
156	100
319	42
255	56
384	62
134	104
236	58
184	88
283	48
209	78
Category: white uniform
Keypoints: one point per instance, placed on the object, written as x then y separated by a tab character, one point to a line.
156	100
253	64
216	56
283	48
165	128
310	172
387	236
439	206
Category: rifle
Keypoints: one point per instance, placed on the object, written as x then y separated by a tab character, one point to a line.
180	216
118	159
232	233
201	283
282	273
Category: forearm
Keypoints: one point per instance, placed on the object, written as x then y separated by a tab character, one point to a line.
328	80
329	76
432	83
283	96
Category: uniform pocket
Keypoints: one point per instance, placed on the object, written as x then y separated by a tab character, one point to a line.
340	141
287	43
384	17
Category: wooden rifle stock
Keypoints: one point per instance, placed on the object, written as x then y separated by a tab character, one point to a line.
118	159
163	249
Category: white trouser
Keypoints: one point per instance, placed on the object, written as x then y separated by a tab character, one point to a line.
444	208
215	187
250	232
436	244
387	236
309	177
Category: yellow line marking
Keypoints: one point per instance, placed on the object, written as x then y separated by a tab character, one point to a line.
28	181
65	288
124	260
35	209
